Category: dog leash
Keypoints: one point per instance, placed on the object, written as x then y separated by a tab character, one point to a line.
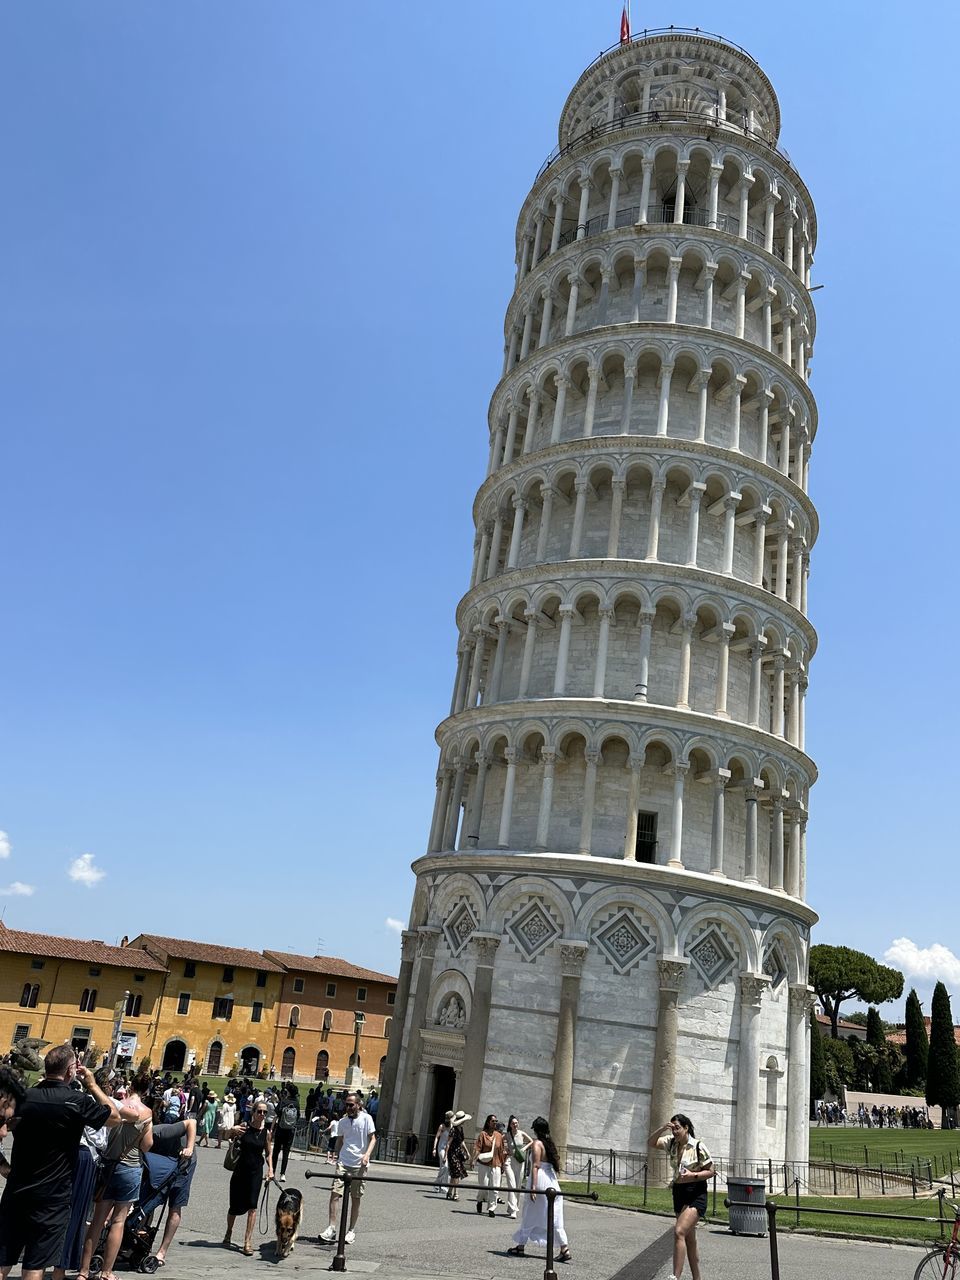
264	1222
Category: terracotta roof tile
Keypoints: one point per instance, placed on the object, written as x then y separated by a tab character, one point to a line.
45	944
328	965
206	952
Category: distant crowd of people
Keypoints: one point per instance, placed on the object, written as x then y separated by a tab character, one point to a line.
875	1117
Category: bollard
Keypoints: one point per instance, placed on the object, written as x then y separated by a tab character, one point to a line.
941	1192
834	1163
953	1189
772	1233
770	1173
929	1175
612	1178
548	1270
883	1189
714	1213
858	1182
644	1184
340	1258
589	1171
913	1176
796	1186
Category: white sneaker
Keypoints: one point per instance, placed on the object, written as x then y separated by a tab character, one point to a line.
512	1215
329	1234
350	1237
282	1178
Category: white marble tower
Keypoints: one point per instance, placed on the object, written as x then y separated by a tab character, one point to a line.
610	921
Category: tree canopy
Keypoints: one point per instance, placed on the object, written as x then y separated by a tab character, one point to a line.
917	1045
840	973
943	1072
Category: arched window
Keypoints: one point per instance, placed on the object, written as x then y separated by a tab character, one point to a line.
327	1020
773	1074
29	995
214	1057
387	1024
294	1016
286	1066
383	1063
323	1065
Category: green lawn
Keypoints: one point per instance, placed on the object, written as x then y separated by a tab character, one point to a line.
659	1200
894	1148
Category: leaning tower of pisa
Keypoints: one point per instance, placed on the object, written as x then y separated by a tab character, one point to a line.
609	923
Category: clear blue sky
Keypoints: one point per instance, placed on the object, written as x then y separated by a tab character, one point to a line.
255	263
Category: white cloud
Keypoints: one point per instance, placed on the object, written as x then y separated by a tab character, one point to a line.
83	871
929	964
4	845
18	890
396	925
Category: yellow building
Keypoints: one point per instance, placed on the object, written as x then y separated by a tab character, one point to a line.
218	1006
64	989
186	1003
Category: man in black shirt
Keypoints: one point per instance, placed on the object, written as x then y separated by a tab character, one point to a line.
35	1209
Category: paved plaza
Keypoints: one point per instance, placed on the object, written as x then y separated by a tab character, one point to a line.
409	1232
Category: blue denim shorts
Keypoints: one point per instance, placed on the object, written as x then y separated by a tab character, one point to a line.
124	1184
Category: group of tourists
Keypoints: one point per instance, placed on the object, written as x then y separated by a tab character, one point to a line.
87	1149
874	1117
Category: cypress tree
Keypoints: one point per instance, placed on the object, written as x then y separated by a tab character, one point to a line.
876	1038
943	1073
917	1046
818	1077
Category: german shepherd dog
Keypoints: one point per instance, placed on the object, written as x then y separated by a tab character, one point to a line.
289	1210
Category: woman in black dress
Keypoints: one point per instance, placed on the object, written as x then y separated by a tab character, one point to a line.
457	1154
249	1175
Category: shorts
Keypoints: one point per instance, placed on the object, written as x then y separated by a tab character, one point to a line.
124	1185
690	1195
356	1185
34	1228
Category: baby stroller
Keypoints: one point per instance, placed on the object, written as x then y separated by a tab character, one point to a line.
139	1232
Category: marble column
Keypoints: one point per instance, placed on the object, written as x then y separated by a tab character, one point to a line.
617	490
679	772
427	939
453	809
506	810
747	1145
750	859
592	759
645	623
603	646
633	807
572	956
484	947
656	505
476	801
663	1092
529	643
719	778
408	951
798	1071
549	759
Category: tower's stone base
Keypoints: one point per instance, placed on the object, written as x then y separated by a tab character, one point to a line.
606	995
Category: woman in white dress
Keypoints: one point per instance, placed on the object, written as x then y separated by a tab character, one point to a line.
227	1118
544	1167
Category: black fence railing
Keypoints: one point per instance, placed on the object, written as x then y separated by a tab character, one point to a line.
648	33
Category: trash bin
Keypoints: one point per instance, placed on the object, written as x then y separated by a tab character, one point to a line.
748	1215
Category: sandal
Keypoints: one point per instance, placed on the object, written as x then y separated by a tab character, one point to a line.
517	1251
248	1251
564	1255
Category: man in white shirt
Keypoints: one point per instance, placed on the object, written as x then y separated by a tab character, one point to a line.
356	1138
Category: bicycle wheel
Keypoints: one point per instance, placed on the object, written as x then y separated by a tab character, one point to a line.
939	1264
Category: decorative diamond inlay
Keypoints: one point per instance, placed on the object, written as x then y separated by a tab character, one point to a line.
533	930
775	966
623	941
712	957
459	925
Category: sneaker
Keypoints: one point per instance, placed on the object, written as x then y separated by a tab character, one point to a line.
491	1213
350	1237
282	1178
513	1214
329	1235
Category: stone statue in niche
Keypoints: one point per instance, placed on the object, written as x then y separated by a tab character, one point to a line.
453	1015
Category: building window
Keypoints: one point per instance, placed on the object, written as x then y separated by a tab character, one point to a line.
228	973
29	995
387	1024
189	968
257	1012
183	1005
80	1039
94	973
88	1001
37	964
133	1004
287	1063
361	994
223	1007
391	997
298	985
294	1016
646	837
323	1065
20	1032
331	990
327	1020
261	977
138	977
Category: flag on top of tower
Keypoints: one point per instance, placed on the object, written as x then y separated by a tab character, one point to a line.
625	23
